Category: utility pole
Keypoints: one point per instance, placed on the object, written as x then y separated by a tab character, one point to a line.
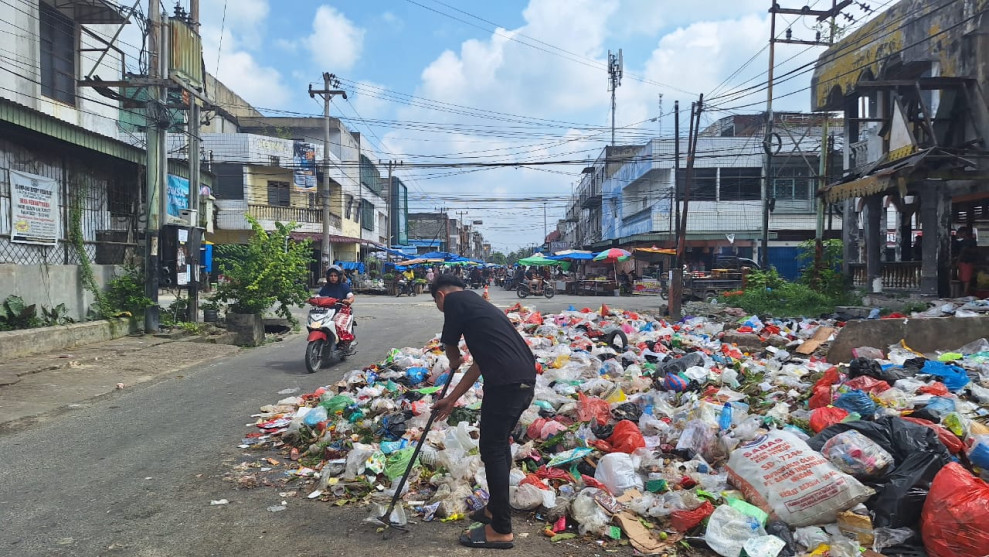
195	232
545	230
392	191
675	289
156	166
460	232
676	302
327	92
615	65
768	199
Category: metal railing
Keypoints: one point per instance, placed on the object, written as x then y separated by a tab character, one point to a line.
290	214
896	275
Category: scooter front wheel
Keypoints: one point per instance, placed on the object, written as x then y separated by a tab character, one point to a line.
314	355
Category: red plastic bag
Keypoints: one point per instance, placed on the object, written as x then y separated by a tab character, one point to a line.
589	481
535	318
936	388
867	384
821	418
822	389
534	480
593	408
545	473
535	429
953	523
950	440
624	439
683	521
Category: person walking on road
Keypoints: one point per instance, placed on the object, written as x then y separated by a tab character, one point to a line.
508	368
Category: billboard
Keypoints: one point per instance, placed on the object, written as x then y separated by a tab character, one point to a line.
304	166
34	215
178	197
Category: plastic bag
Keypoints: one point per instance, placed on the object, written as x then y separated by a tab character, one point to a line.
855	454
776	472
728	530
953	522
858	402
811	537
822	389
590	517
918	456
624	438
978	454
398	462
684	521
617	472
592	408
525	497
314	416
821	418
953	377
698	437
356	459
867	384
336	403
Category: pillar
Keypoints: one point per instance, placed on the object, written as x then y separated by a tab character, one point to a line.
935	222
875	239
849	226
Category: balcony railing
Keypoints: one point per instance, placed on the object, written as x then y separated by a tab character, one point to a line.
291	214
896	275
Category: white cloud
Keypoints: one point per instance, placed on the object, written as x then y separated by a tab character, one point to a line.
393	21
336	42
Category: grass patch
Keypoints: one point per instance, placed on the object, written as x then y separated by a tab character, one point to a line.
788	299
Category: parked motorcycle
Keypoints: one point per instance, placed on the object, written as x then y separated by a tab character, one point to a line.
329	320
544	289
404	286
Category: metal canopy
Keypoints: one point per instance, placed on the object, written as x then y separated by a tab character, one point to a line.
92	11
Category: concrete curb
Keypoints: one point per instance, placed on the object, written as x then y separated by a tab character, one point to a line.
31	342
923	334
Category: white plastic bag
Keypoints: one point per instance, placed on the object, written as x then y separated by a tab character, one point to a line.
590	517
785	477
617	472
728	530
525	497
810	537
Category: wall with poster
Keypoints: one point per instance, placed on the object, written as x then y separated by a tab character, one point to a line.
178	198
304	166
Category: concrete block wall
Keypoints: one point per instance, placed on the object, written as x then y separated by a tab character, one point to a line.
50	285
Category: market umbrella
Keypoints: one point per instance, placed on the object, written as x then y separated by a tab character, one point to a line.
572	255
613	256
652	254
538	260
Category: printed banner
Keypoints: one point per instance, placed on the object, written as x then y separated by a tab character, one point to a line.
178	196
34	212
304	164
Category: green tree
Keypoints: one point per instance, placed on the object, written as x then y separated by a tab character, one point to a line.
498	258
271	270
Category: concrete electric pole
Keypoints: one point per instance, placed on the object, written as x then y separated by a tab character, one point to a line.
329	80
391	203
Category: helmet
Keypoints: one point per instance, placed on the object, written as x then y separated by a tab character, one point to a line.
334	269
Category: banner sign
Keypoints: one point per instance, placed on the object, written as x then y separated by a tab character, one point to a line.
304	164
178	196
34	212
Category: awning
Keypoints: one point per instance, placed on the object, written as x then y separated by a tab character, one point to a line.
878	181
334	239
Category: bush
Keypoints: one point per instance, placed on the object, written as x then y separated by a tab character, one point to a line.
125	294
789	299
270	269
828	279
15	314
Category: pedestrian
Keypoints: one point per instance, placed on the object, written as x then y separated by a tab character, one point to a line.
508	369
966	258
430	275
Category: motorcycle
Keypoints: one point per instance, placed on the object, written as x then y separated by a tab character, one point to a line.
544	289
510	283
331	339
404	286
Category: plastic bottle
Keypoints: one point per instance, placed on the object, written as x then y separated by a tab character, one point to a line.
724	421
680	365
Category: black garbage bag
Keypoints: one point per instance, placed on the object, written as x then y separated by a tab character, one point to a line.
601	431
781	530
626	411
918	455
393	425
872	368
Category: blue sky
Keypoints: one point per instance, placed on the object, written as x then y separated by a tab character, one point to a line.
528	80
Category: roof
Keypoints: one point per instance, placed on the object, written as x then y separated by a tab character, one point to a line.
334	239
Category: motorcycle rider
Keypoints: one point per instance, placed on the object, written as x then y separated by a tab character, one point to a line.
335	287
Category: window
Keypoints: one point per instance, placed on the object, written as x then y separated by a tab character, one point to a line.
705	185
348	205
278	193
58	55
741	184
229	181
367	215
274	161
313	201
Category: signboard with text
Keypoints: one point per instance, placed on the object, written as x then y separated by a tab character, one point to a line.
178	197
34	212
304	166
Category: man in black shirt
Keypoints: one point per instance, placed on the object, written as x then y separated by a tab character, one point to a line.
508	367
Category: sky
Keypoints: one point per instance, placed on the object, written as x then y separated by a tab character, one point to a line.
454	83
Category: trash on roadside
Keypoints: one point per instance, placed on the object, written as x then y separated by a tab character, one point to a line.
677	435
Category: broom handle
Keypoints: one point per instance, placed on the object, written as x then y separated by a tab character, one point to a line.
415	453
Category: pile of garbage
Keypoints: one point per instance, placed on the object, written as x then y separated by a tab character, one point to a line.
653	433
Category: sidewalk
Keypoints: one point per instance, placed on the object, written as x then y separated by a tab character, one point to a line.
41	386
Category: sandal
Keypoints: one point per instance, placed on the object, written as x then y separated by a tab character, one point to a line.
479	516
478	538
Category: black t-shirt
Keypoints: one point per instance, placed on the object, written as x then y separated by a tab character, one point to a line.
504	358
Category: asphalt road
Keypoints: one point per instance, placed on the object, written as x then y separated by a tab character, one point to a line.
134	474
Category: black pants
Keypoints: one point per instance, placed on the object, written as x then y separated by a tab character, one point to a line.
500	411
